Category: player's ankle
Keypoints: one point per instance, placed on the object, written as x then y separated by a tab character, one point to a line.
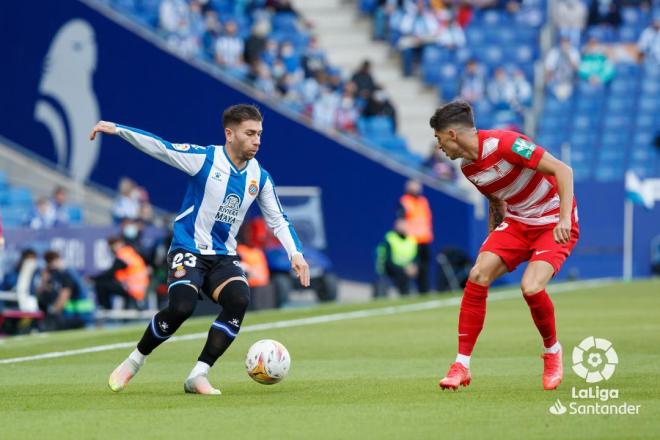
554	348
463	360
137	357
200	369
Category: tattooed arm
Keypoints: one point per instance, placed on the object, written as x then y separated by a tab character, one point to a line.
496	211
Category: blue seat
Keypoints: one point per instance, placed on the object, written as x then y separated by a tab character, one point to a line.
3	180
618	122
609	171
14	216
629	34
623	86
646	121
585	122
644	137
475	36
650	87
493	56
504	36
649	104
20	197
630	15
379	126
616	104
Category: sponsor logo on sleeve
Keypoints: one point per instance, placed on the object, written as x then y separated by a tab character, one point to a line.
181	147
523	148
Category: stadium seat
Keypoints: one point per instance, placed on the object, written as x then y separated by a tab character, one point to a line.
19	197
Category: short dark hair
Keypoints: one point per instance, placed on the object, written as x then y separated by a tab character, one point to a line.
236	114
455	113
51	256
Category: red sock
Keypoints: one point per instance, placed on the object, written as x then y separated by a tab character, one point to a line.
471	318
543	313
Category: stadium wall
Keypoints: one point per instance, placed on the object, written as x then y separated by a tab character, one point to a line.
116	75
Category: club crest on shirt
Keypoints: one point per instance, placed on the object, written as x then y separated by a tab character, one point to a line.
253	188
180	272
181	147
523	148
228	211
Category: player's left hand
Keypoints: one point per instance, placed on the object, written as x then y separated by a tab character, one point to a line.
562	231
103	127
301	268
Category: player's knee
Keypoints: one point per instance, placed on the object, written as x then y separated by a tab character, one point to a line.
480	276
235	296
183	299
531	285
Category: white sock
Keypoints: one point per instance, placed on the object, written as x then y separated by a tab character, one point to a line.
200	369
465	360
137	357
554	349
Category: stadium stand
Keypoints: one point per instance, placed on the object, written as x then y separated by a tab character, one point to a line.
611	128
269	45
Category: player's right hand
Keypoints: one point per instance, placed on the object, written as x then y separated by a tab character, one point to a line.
103	127
301	268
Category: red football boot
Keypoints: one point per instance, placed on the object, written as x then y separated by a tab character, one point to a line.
457	375
553	370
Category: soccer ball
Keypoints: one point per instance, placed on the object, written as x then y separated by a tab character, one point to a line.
267	361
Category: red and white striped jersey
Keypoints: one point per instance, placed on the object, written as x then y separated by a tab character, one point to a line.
506	170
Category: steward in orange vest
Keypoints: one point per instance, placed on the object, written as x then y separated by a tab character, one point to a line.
415	209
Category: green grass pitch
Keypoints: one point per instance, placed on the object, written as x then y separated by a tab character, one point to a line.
372	377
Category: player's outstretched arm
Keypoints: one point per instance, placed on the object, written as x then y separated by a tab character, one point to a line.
186	157
276	220
564	175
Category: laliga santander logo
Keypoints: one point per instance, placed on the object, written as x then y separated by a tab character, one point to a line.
594	359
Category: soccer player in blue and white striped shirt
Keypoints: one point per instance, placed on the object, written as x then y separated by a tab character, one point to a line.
224	181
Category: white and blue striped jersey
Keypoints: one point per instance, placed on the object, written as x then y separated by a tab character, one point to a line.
218	195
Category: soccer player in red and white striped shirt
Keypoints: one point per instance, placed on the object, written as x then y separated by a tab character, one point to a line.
533	217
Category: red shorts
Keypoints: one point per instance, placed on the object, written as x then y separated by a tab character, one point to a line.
516	242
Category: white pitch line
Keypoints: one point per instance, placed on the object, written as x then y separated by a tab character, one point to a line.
321	319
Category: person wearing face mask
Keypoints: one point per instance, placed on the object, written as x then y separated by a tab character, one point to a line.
414	208
128	277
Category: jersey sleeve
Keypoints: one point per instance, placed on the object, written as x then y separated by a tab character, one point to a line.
275	218
520	150
186	157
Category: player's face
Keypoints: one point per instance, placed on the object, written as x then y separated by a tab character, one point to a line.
448	143
245	138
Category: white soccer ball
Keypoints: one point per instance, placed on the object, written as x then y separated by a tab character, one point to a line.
267	362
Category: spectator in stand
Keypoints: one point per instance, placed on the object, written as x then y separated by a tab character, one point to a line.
570	18
44	215
212	32
605	13
348	112
595	68
501	91
561	66
649	42
473	82
173	16
62	296
314	59
256	42
450	35
418	28
60	207
229	47
324	111
261	78
438	166
522	90
364	80
128	277
379	104
255	265
127	203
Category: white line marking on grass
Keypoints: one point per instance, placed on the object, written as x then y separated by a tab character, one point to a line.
321	319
